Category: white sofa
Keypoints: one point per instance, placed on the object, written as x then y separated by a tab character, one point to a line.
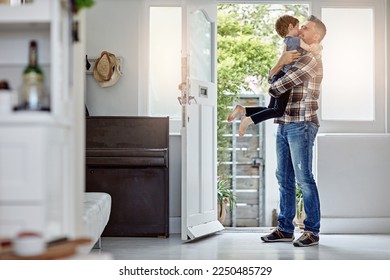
97	208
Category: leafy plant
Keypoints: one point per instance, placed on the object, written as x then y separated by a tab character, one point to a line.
225	194
299	203
241	53
77	5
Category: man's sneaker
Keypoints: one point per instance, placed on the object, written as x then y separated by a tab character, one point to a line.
307	239
278	236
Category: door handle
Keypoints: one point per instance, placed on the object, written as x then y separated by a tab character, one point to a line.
192	98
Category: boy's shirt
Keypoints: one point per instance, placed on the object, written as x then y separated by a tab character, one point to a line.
292	43
304	79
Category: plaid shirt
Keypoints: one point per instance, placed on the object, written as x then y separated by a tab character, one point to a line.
304	80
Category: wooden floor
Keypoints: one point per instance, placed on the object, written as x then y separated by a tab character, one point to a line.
233	244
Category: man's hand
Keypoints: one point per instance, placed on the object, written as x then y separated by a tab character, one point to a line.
316	49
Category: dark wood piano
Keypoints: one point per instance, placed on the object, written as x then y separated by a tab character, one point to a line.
127	157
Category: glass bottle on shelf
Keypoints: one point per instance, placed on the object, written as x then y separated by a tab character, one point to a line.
33	92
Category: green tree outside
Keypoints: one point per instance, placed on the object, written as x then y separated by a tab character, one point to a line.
248	46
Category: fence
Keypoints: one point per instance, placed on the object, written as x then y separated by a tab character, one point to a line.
246	167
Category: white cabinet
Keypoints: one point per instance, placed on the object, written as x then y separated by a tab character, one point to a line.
38	189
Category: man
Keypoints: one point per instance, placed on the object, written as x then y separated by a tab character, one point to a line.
295	138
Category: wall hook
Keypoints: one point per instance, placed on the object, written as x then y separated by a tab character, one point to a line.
87	64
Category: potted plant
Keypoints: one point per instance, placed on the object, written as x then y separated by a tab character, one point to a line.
300	210
77	5
225	196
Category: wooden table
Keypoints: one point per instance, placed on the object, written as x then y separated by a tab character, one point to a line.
57	250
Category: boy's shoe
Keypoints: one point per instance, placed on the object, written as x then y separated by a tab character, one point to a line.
278	236
307	239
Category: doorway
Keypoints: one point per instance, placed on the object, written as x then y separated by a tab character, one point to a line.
248	47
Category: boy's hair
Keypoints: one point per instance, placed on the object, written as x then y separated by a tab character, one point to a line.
282	23
319	26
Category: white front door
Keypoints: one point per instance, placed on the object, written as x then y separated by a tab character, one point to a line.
199	120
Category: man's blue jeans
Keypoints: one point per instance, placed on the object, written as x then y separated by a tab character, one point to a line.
294	151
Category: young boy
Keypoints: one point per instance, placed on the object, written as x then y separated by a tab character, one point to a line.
287	27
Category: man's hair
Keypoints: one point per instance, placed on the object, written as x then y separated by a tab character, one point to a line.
319	26
282	23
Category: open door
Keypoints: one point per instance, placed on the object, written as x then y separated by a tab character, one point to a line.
199	120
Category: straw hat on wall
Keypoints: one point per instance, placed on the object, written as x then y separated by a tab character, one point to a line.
106	70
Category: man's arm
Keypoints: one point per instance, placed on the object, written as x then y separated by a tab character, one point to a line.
314	48
286	58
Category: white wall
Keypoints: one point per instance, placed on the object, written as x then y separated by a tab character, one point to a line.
113	25
175	184
388	72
